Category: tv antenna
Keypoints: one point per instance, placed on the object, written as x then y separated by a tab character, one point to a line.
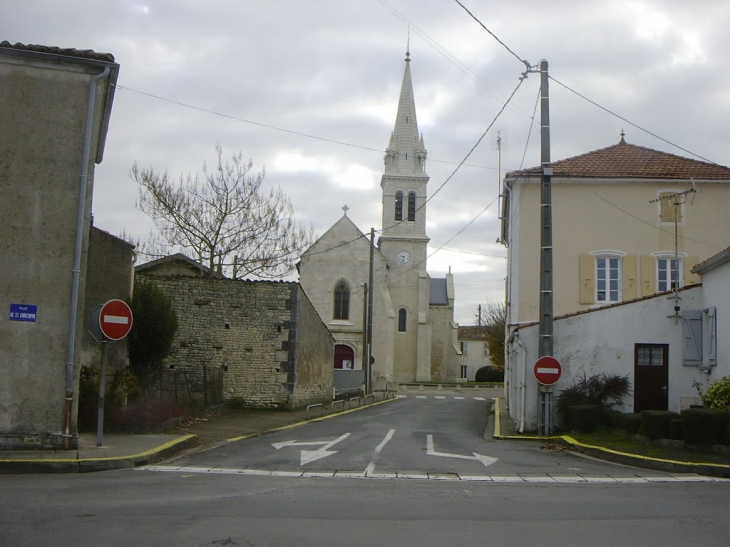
678	199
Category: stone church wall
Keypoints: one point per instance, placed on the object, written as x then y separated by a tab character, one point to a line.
266	337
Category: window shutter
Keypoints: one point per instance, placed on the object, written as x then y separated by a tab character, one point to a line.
691	338
587	279
689	263
710	337
648	275
628	284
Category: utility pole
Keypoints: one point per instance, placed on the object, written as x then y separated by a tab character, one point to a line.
371	290
546	248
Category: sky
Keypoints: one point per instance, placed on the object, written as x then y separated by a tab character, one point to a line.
309	90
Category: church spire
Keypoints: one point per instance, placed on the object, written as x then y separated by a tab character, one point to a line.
406	153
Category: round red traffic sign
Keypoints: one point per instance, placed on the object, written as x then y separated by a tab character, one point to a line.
548	370
115	319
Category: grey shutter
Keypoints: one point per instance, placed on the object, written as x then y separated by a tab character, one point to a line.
710	337
692	338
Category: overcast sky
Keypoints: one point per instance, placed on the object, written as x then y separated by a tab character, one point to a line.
309	91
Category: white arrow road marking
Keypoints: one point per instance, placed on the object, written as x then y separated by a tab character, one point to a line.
486	460
308	456
378	449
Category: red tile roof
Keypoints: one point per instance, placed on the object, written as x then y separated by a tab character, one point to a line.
472	333
69	52
625	160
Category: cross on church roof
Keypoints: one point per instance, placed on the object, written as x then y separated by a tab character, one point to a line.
345	208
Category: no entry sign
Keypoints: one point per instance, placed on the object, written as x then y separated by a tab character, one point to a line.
548	370
111	321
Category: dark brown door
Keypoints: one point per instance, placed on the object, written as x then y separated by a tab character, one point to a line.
651	376
344	356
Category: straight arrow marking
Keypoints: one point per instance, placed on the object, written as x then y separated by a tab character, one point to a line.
485	460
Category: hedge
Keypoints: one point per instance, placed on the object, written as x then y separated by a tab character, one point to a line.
656	424
705	426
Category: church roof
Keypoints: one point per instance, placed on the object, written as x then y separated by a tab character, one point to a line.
624	160
438	295
405	141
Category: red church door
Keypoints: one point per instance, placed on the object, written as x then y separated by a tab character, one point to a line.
344	357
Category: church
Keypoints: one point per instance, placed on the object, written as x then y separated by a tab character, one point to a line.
413	335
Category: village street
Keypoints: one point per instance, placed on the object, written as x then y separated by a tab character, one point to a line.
415	470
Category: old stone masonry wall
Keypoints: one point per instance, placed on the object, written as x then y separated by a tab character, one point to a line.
243	328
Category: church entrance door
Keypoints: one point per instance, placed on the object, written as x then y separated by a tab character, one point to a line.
344	357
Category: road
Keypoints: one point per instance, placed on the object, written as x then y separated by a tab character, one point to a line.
370	477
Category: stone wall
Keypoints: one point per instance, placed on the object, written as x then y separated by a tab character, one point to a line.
266	337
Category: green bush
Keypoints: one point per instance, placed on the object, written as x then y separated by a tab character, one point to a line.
584	418
656	424
675	429
705	426
117	384
717	395
601	390
489	374
632	424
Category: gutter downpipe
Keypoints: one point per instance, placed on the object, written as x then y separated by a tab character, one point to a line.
76	277
523	394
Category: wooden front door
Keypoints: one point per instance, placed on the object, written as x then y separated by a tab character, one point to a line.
651	377
344	356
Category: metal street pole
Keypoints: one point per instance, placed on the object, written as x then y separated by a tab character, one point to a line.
546	245
371	290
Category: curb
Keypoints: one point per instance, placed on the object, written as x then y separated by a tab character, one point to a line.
608	454
87	465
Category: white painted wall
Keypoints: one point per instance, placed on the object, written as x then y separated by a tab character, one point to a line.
602	341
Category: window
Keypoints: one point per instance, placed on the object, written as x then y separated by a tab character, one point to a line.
669	274
399	205
485	350
411	206
608	275
342	301
464	370
402	315
462	347
650	355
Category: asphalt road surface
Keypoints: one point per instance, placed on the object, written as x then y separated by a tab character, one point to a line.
408	472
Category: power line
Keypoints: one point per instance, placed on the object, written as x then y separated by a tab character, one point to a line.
594	103
527	65
281	129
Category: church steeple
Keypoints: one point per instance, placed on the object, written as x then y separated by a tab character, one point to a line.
406	154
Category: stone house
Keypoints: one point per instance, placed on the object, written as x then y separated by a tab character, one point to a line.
264	337
56	106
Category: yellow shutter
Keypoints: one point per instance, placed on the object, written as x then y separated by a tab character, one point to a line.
587	279
648	275
628	283
689	263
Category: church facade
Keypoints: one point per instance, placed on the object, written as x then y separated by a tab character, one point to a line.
414	337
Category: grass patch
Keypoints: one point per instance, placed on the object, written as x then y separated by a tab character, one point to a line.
619	441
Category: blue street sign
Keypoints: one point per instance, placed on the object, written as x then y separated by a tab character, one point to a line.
23	312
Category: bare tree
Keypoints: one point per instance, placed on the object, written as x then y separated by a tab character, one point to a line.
493	316
227	221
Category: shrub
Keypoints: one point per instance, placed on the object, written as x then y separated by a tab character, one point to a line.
717	395
117	385
705	426
675	429
584	418
656	424
601	390
143	416
632	424
489	374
